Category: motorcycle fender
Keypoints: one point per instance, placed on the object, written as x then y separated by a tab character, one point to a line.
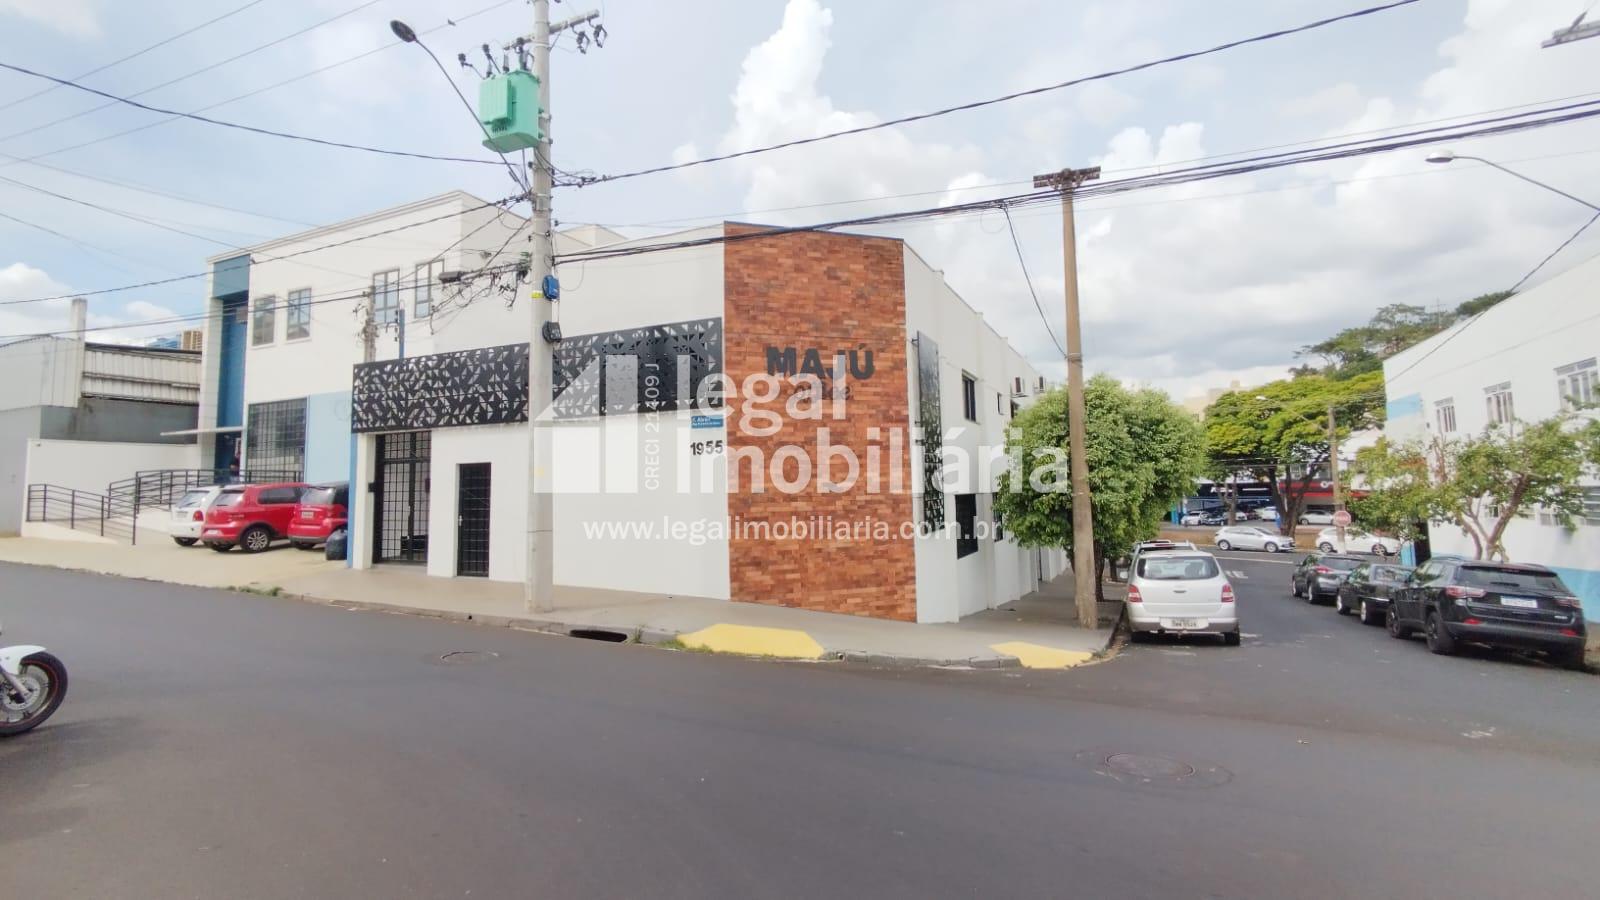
11	657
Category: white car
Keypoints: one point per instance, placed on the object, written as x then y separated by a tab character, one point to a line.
1249	537
1181	592
1316	517
1357	541
189	513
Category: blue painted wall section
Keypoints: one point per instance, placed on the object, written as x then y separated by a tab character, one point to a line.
230	289
1409	405
1586	584
328	437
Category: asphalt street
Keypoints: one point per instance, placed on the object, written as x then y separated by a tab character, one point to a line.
238	746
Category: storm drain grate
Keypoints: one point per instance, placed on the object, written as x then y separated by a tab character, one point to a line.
600	634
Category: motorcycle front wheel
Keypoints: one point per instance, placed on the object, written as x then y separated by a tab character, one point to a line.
46	680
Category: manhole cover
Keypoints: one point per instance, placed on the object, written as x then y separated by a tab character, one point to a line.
1149	766
464	657
1152	769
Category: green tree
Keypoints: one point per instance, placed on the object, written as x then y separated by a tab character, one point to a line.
1279	432
1481	483
1143	451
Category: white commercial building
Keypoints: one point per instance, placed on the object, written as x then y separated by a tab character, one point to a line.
1527	359
674	468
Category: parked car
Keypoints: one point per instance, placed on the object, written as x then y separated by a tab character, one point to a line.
1357	541
251	516
1181	592
1197	517
1316	517
1368	589
1499	604
1252	508
1142	547
1319	575
1249	537
189	514
323	508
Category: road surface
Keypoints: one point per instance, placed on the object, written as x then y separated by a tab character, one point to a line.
238	746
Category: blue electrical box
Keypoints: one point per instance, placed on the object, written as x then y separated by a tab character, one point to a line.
508	107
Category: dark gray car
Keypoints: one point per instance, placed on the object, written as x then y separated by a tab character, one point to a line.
1367	591
1319	575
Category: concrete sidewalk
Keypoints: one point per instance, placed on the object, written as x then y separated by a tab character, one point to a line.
1035	632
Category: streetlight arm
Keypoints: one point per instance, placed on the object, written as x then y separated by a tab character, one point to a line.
1532	181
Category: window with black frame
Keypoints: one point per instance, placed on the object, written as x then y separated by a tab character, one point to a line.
966	525
969	397
275	438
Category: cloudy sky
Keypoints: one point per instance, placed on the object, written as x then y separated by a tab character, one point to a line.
1184	288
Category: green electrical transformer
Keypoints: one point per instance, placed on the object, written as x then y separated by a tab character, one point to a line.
508	106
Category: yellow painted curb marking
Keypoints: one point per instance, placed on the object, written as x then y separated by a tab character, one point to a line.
1038	656
754	641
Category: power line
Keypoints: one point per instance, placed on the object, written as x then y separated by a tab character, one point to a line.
242	127
976	104
187	75
193	275
1027	278
122	59
261	90
1564	244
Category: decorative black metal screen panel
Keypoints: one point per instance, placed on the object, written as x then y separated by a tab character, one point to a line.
401	499
472	519
637	370
932	431
485	386
275	437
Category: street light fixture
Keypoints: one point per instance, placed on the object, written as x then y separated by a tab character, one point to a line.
1446	156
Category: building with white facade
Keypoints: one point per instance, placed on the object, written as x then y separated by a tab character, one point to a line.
694	389
1527	359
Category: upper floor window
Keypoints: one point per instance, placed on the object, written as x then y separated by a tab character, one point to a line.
386	296
1579	384
1444	414
297	315
1497	400
1016	386
264	323
999	409
427	280
969	397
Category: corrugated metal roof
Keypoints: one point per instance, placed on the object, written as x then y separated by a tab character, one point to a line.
141	373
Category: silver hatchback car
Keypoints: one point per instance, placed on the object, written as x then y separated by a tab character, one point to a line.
1250	537
1181	592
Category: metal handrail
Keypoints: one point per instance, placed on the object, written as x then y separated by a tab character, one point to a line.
82	511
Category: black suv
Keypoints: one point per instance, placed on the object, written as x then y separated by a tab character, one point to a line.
1499	604
1319	575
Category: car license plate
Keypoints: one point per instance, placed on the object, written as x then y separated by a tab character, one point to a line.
1183	623
307	514
1519	602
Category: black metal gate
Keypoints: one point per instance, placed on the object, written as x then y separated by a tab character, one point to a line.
400	503
472	519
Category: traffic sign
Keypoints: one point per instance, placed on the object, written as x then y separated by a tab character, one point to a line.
1341	518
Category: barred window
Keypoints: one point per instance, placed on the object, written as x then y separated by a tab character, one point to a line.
275	438
297	315
1591	506
264	322
386	296
1444	412
1579	384
1497	399
427	281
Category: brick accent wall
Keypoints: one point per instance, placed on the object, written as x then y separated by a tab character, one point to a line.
828	293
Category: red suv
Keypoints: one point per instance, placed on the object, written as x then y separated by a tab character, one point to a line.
322	510
251	515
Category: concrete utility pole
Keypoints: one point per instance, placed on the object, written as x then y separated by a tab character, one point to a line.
1333	476
1085	576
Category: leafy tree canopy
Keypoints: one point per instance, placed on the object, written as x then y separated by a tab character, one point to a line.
1363	348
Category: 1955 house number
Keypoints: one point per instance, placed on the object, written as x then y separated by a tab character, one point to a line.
706	448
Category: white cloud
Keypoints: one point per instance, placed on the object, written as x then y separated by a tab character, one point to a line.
74	18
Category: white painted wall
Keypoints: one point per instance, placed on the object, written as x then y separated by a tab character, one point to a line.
505	448
91	465
600	464
1001	571
43	371
1523	341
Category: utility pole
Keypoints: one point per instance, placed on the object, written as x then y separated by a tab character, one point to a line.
369	329
1086	577
1333	476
